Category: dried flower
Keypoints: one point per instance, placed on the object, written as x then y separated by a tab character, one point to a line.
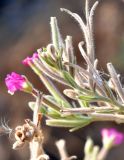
111	137
29	60
16	82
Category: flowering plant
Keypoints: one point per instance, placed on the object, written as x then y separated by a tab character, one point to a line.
92	98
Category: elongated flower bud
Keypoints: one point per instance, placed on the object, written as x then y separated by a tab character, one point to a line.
88	146
51	51
71	93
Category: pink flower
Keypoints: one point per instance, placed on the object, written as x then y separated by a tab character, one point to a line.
27	61
112	135
16	82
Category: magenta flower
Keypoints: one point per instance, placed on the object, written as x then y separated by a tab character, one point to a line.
112	135
16	82
27	61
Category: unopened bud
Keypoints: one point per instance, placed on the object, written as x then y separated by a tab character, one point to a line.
88	146
51	51
70	93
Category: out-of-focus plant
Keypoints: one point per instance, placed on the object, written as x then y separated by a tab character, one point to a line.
110	138
92	97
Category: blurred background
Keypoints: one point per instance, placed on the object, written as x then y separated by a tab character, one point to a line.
24	27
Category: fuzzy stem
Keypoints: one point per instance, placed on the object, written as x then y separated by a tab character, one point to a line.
97	116
46	102
102	154
88	110
62	150
36	108
56	37
49	84
36	144
107	117
36	150
116	81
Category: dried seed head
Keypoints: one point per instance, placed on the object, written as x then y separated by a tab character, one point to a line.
19	136
24	132
27	132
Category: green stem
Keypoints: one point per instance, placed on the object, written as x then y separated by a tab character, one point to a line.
51	88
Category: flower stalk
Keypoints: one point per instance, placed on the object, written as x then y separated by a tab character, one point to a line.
61	146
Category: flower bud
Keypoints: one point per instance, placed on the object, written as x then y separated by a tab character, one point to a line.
51	51
70	93
88	146
29	60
